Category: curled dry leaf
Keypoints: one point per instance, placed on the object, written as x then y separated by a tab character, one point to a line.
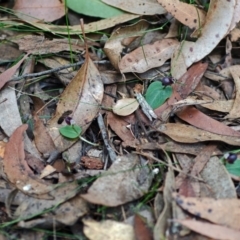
17	170
125	106
122	37
141	7
211	35
187	14
122	183
148	56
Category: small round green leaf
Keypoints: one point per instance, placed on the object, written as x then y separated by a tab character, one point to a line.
157	94
69	131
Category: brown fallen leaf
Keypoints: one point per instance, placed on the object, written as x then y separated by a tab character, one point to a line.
142	231
122	37
188	134
35	44
17	170
220	211
8	74
187	14
31	10
148	56
140	7
211	35
83	96
211	230
198	119
129	181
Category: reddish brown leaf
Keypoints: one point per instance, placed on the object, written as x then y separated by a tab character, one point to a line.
8	74
17	170
142	232
198	119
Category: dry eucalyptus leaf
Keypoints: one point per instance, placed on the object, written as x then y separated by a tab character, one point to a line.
148	56
39	10
141	7
235	111
211	35
91	27
124	181
223	187
187	14
188	134
17	170
212	231
216	211
108	230
117	42
32	206
83	96
125	106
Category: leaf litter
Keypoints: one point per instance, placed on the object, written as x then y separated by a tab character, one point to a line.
176	164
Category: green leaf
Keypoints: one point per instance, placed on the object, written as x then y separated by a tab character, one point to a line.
234	168
94	8
156	94
69	131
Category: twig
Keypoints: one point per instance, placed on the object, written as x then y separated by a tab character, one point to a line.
101	125
53	70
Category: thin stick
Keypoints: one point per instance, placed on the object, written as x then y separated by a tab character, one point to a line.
52	70
101	125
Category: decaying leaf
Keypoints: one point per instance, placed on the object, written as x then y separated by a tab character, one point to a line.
124	181
148	56
35	10
82	96
140	7
212	231
121	38
125	106
211	35
108	230
216	211
187	14
188	134
17	170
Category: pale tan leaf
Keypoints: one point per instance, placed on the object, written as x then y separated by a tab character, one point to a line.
108	230
211	230
125	106
187	14
117	42
141	7
211	35
34	10
148	56
216	211
188	134
91	27
129	181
